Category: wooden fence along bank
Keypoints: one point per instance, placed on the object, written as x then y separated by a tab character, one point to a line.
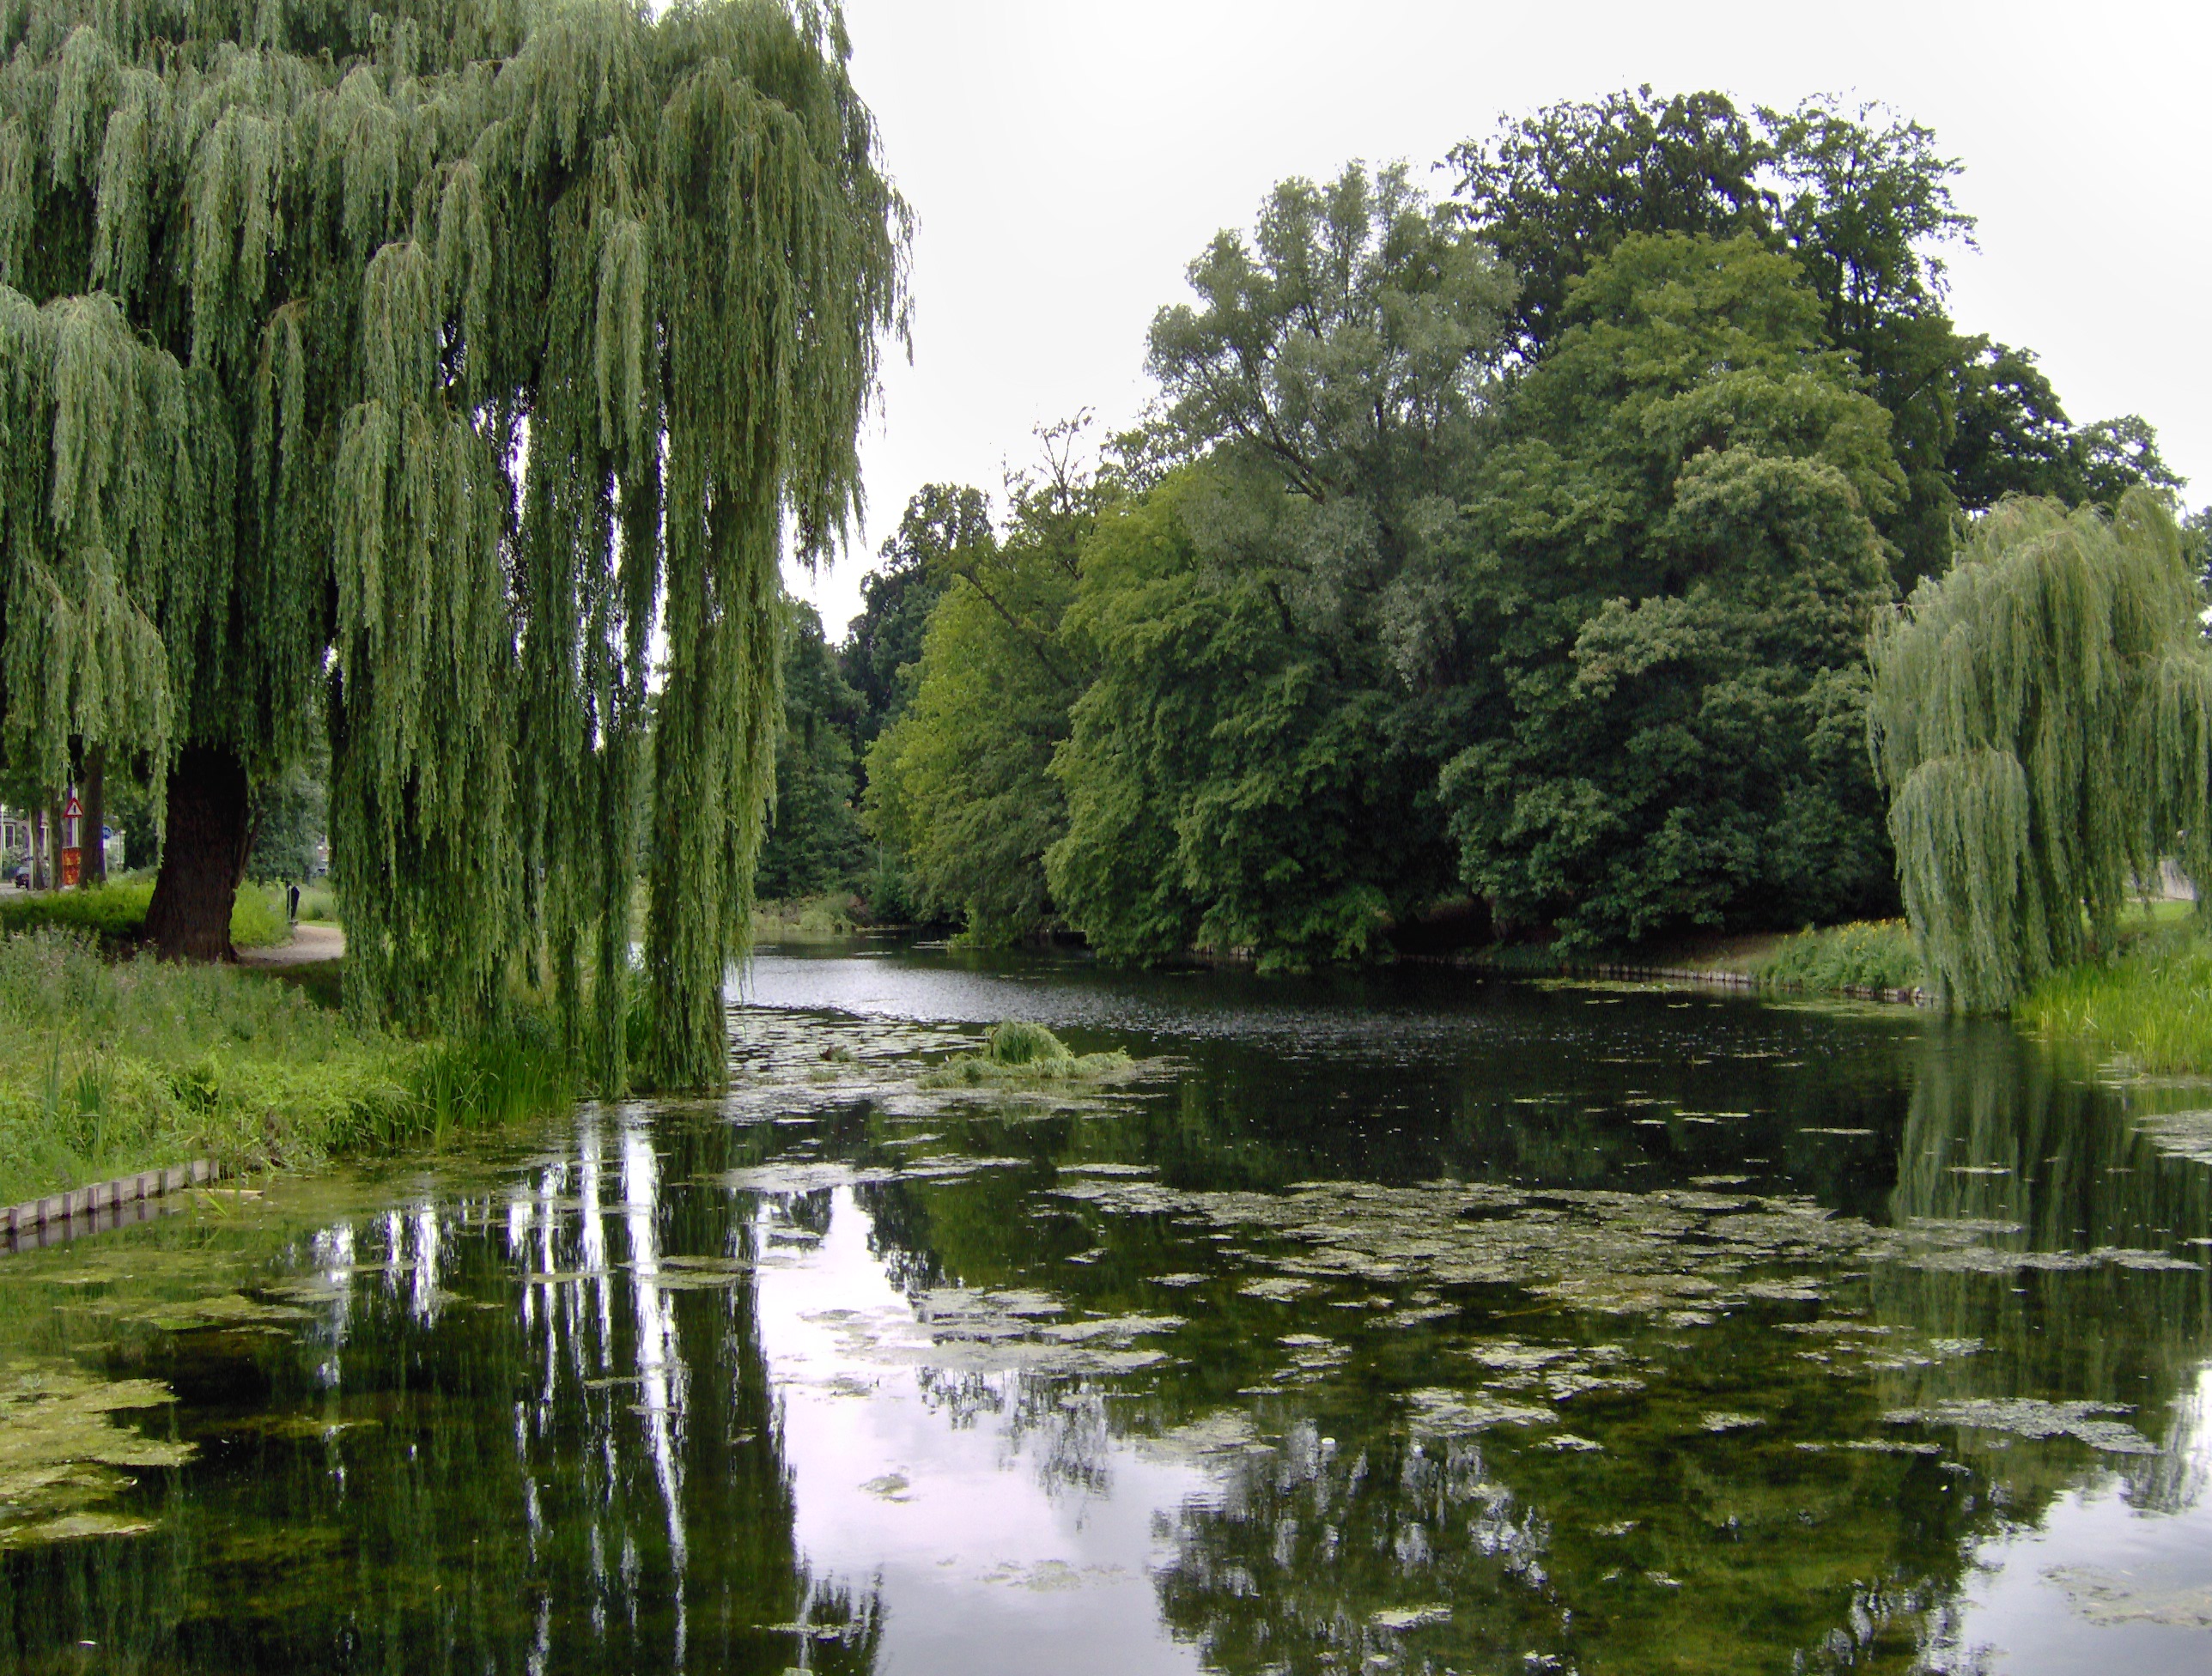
96	1209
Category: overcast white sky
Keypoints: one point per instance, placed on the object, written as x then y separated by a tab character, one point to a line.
1064	161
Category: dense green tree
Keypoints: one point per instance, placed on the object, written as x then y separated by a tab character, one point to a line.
2043	723
1866	207
1674	559
1235	780
2011	435
279	285
960	785
1254	765
1556	191
942	524
814	844
1862	198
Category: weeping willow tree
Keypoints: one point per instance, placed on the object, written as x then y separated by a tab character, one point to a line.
406	366
2042	717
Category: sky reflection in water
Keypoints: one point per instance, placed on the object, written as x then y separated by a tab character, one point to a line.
1396	1323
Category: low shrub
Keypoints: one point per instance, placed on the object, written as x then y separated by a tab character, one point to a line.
257	917
804	919
1867	954
1018	1041
115	912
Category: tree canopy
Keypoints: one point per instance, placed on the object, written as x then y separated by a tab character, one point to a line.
1676	563
2042	718
1253	766
435	351
1501	562
1861	197
814	844
942	524
960	782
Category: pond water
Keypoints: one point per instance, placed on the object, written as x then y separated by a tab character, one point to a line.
1410	1322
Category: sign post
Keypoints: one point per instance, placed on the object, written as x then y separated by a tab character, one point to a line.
72	831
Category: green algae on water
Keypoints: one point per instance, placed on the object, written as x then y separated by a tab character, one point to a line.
2030	1416
63	1449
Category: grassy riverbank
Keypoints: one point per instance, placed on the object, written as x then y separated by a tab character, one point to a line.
109	1067
2148	1004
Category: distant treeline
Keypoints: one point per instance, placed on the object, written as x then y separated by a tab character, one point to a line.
1512	555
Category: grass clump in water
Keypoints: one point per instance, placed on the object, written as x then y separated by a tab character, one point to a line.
110	1067
1867	954
1017	1053
2148	1003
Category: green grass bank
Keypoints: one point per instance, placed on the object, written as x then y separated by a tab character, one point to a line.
2148	1004
112	1066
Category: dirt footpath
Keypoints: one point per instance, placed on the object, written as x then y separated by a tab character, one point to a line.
309	943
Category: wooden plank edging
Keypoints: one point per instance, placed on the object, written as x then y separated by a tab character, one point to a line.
40	1222
1727	980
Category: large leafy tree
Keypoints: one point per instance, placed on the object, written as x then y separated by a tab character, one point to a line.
943	524
959	785
1556	191
2013	437
1674	558
435	350
1862	199
1866	209
2043	723
1279	667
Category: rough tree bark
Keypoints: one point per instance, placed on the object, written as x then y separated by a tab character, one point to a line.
94	872
202	856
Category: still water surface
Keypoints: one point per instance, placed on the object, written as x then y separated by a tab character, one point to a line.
1404	1323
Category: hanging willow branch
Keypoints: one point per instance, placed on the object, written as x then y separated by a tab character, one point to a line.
408	362
2042	717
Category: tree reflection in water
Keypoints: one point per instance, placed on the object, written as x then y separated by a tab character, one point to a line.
715	1396
455	1467
1828	1537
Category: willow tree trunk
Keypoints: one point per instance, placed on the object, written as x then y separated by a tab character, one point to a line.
93	868
202	856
